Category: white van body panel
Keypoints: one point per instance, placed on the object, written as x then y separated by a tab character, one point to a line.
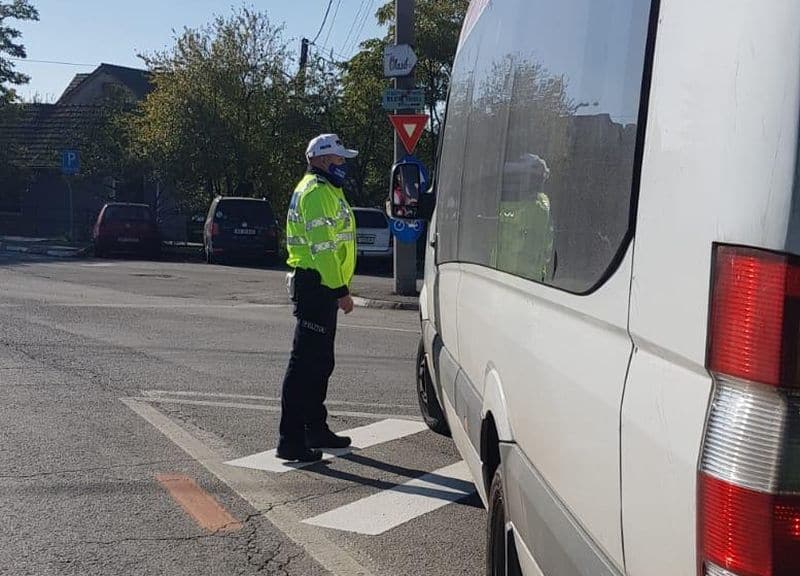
718	166
600	400
559	360
465	447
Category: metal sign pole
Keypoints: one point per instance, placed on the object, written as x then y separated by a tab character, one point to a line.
405	255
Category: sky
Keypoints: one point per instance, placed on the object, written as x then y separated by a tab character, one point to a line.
91	32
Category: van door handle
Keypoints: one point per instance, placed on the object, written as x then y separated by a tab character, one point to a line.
434	240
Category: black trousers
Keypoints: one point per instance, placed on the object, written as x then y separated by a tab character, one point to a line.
311	363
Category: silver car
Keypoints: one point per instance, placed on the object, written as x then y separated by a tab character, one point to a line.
373	236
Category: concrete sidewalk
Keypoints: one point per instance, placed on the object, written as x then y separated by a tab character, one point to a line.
369	289
378	292
54	248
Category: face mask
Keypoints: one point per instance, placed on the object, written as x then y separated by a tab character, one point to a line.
337	174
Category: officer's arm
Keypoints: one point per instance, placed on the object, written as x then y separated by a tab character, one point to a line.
319	214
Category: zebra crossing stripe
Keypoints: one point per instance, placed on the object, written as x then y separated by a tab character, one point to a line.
391	508
363	437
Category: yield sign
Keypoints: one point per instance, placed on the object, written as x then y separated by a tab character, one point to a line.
409	128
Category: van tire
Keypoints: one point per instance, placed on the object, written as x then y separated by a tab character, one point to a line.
501	557
429	405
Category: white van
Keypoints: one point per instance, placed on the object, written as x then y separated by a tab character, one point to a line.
611	306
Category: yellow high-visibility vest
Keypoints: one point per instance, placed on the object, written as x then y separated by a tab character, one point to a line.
321	232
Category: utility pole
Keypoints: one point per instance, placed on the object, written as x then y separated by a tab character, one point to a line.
405	255
301	74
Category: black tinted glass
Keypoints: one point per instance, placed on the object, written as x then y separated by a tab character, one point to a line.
128	213
252	211
370	219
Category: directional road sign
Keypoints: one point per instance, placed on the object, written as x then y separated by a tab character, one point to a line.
398	60
394	99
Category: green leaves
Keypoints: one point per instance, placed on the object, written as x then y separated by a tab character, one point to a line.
16	10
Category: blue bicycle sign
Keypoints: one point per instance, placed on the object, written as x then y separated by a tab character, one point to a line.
407	231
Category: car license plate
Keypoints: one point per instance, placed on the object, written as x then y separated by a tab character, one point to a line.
245	231
127	240
364	239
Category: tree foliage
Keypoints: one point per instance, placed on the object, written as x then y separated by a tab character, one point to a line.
230	113
437	24
226	115
10	47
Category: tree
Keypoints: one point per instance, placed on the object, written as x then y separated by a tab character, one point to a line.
361	118
9	47
438	28
225	112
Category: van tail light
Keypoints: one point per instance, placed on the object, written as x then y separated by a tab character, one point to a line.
215	229
749	479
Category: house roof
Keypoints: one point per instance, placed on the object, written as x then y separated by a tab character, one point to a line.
37	133
135	79
79	78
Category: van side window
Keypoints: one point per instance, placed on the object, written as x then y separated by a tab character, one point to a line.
483	161
548	171
449	176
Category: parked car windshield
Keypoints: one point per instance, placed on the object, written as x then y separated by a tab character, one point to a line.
370	219
253	211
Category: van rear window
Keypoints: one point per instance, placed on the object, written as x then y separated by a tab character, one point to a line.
254	211
128	214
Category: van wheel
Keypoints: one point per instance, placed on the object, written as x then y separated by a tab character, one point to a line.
501	557
429	405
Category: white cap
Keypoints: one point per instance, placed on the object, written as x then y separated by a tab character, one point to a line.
328	144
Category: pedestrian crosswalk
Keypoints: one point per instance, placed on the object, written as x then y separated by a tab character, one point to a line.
363	437
391	508
387	506
387	509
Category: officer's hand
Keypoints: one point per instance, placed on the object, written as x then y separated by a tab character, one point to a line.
346	304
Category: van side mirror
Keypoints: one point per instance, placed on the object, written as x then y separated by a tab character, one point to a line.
405	190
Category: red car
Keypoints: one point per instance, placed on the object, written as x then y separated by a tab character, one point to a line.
126	228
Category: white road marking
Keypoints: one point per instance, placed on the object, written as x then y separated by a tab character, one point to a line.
98	265
389	509
259	493
363	437
175	306
184	393
383	328
274	409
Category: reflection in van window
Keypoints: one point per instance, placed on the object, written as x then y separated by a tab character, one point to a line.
549	107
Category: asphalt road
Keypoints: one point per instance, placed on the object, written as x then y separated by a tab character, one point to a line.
140	403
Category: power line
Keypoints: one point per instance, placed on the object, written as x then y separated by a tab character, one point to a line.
324	19
356	40
333	21
53	62
353	25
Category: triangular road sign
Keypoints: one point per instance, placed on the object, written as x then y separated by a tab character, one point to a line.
409	128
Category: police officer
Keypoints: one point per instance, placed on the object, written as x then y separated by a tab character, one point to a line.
320	238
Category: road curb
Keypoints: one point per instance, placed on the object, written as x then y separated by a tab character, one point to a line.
45	251
384	304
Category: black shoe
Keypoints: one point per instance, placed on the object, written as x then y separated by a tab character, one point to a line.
299	454
322	437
